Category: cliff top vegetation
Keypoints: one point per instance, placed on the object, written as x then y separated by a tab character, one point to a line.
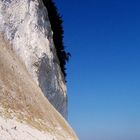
58	34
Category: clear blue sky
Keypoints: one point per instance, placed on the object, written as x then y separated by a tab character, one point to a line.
103	37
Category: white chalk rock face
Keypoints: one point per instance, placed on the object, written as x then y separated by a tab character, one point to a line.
26	25
25	113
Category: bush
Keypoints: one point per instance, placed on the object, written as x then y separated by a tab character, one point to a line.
58	34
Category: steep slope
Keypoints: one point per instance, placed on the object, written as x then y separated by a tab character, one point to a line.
25	113
26	25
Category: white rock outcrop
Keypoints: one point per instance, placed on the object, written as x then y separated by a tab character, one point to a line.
30	72
25	113
26	25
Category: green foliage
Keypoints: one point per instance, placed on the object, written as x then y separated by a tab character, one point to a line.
58	32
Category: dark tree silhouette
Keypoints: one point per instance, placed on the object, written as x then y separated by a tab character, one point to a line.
58	32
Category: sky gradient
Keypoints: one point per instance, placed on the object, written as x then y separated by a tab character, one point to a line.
103	37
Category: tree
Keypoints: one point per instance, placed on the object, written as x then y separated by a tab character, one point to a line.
58	34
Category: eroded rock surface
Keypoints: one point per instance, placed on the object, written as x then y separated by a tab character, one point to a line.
26	25
25	113
30	69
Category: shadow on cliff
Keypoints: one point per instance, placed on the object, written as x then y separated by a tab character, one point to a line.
45	76
49	83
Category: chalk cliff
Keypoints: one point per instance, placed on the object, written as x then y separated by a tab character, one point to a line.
30	75
26	25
